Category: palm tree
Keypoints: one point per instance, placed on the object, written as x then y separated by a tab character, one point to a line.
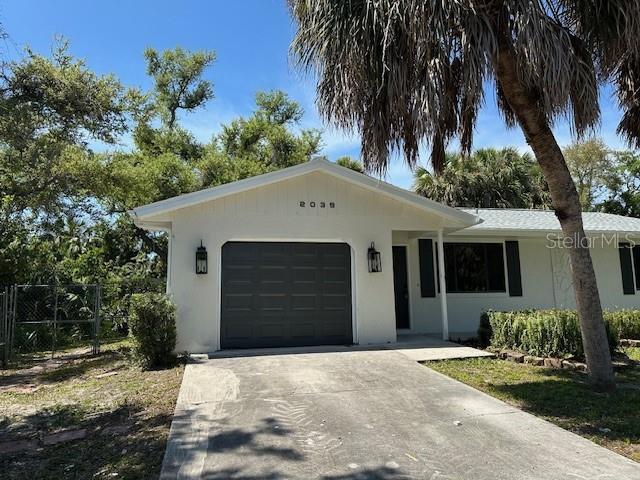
489	178
405	71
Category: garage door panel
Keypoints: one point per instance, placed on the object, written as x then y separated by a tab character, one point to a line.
335	274
238	302
336	288
305	251
239	330
276	302
334	260
304	274
302	302
272	331
303	330
335	303
285	294
335	330
270	254
236	255
239	274
272	273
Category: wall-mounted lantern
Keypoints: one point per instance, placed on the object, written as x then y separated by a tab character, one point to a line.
375	264
201	259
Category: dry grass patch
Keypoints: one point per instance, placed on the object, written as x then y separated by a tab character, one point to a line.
125	412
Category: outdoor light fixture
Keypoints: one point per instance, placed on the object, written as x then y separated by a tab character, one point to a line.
201	259
375	264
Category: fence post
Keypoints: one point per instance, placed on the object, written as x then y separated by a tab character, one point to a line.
3	326
12	319
55	319
96	318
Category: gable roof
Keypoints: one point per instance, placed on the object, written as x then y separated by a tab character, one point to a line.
154	211
507	220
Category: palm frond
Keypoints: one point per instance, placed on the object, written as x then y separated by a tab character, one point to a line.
406	71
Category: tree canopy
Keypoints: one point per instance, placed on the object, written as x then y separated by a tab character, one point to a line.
64	198
50	110
488	178
590	163
622	195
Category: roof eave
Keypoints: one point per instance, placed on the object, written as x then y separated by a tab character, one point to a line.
156	210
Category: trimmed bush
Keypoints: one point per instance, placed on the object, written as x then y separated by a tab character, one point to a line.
543	333
152	325
625	323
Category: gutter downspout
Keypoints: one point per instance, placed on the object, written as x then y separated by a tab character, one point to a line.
443	287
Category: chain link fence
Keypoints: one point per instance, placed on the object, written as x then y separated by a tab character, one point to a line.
48	317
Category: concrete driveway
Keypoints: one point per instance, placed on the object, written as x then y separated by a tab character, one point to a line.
363	415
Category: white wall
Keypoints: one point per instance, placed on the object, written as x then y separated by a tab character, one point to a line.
273	213
546	283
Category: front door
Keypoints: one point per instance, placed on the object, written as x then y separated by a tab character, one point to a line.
401	286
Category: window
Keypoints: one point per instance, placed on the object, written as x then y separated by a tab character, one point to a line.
474	267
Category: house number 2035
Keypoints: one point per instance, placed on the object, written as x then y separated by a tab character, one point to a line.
304	204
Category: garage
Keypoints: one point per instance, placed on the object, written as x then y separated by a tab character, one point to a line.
284	294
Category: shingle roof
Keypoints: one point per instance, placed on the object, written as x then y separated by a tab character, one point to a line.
522	220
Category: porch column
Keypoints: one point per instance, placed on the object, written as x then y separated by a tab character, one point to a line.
443	287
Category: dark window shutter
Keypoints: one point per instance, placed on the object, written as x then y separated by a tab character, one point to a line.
636	264
427	280
513	268
627	270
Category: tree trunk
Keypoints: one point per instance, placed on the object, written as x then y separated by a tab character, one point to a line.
567	208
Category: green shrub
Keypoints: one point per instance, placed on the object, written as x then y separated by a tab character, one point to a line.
545	333
152	324
625	323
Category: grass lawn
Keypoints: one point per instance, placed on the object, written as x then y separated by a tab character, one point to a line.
125	412
561	397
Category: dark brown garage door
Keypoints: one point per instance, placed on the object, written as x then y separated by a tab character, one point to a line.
285	294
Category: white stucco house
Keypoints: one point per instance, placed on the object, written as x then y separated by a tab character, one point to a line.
290	254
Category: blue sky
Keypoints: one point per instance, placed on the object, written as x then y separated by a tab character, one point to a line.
251	40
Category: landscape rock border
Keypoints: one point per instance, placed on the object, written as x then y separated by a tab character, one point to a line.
549	362
554	362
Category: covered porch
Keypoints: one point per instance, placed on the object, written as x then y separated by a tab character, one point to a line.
421	304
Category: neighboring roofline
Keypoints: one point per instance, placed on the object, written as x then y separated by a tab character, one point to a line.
598	227
318	164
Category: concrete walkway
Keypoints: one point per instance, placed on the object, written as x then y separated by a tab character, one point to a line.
363	415
420	348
